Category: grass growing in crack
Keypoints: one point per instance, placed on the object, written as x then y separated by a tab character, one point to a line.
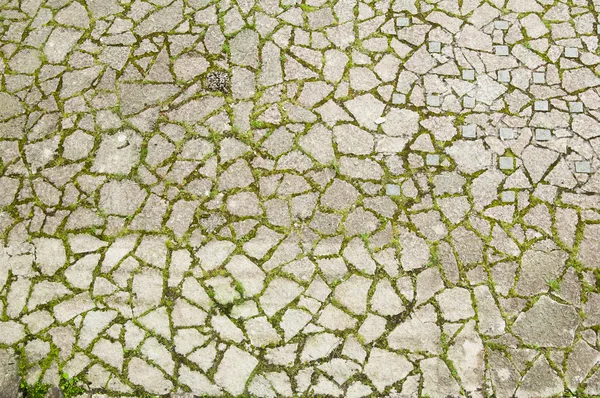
433	261
239	288
71	387
38	390
257	124
554	285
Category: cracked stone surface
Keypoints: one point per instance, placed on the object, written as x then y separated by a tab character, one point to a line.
273	198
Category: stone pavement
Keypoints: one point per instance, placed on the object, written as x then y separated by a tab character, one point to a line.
266	198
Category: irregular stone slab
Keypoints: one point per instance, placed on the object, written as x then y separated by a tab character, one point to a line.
504	376
214	253
118	153
547	324
352	293
163	20
278	294
579	363
319	346
102	8
490	318
365	109
11	332
537	161
50	254
578	79
60	43
356	254
418	333
9	374
588	248
137	97
69	309
318	143
197	109
247	273
470	156
148	376
11	106
234	370
467	355
244	48
385	368
540	381
339	195
474	39
437	380
456	304
538	269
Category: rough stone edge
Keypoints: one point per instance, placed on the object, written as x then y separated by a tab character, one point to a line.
9	374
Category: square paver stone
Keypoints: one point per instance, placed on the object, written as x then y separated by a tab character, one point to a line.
468	74
539	77
508	196
541	105
392	190
543	135
504	76
506	133
583	167
502	25
402	22
432	159
469	131
507	163
435	47
571	52
501	50
398	99
433	100
576	107
469	102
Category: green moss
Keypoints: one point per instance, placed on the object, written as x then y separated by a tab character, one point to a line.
71	387
433	260
307	8
38	390
239	288
257	124
554	285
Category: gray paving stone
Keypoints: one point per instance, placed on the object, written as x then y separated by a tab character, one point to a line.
558	333
583	167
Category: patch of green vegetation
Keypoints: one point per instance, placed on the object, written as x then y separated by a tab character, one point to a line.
71	387
307	8
257	124
239	288
38	390
554	285
433	261
365	237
